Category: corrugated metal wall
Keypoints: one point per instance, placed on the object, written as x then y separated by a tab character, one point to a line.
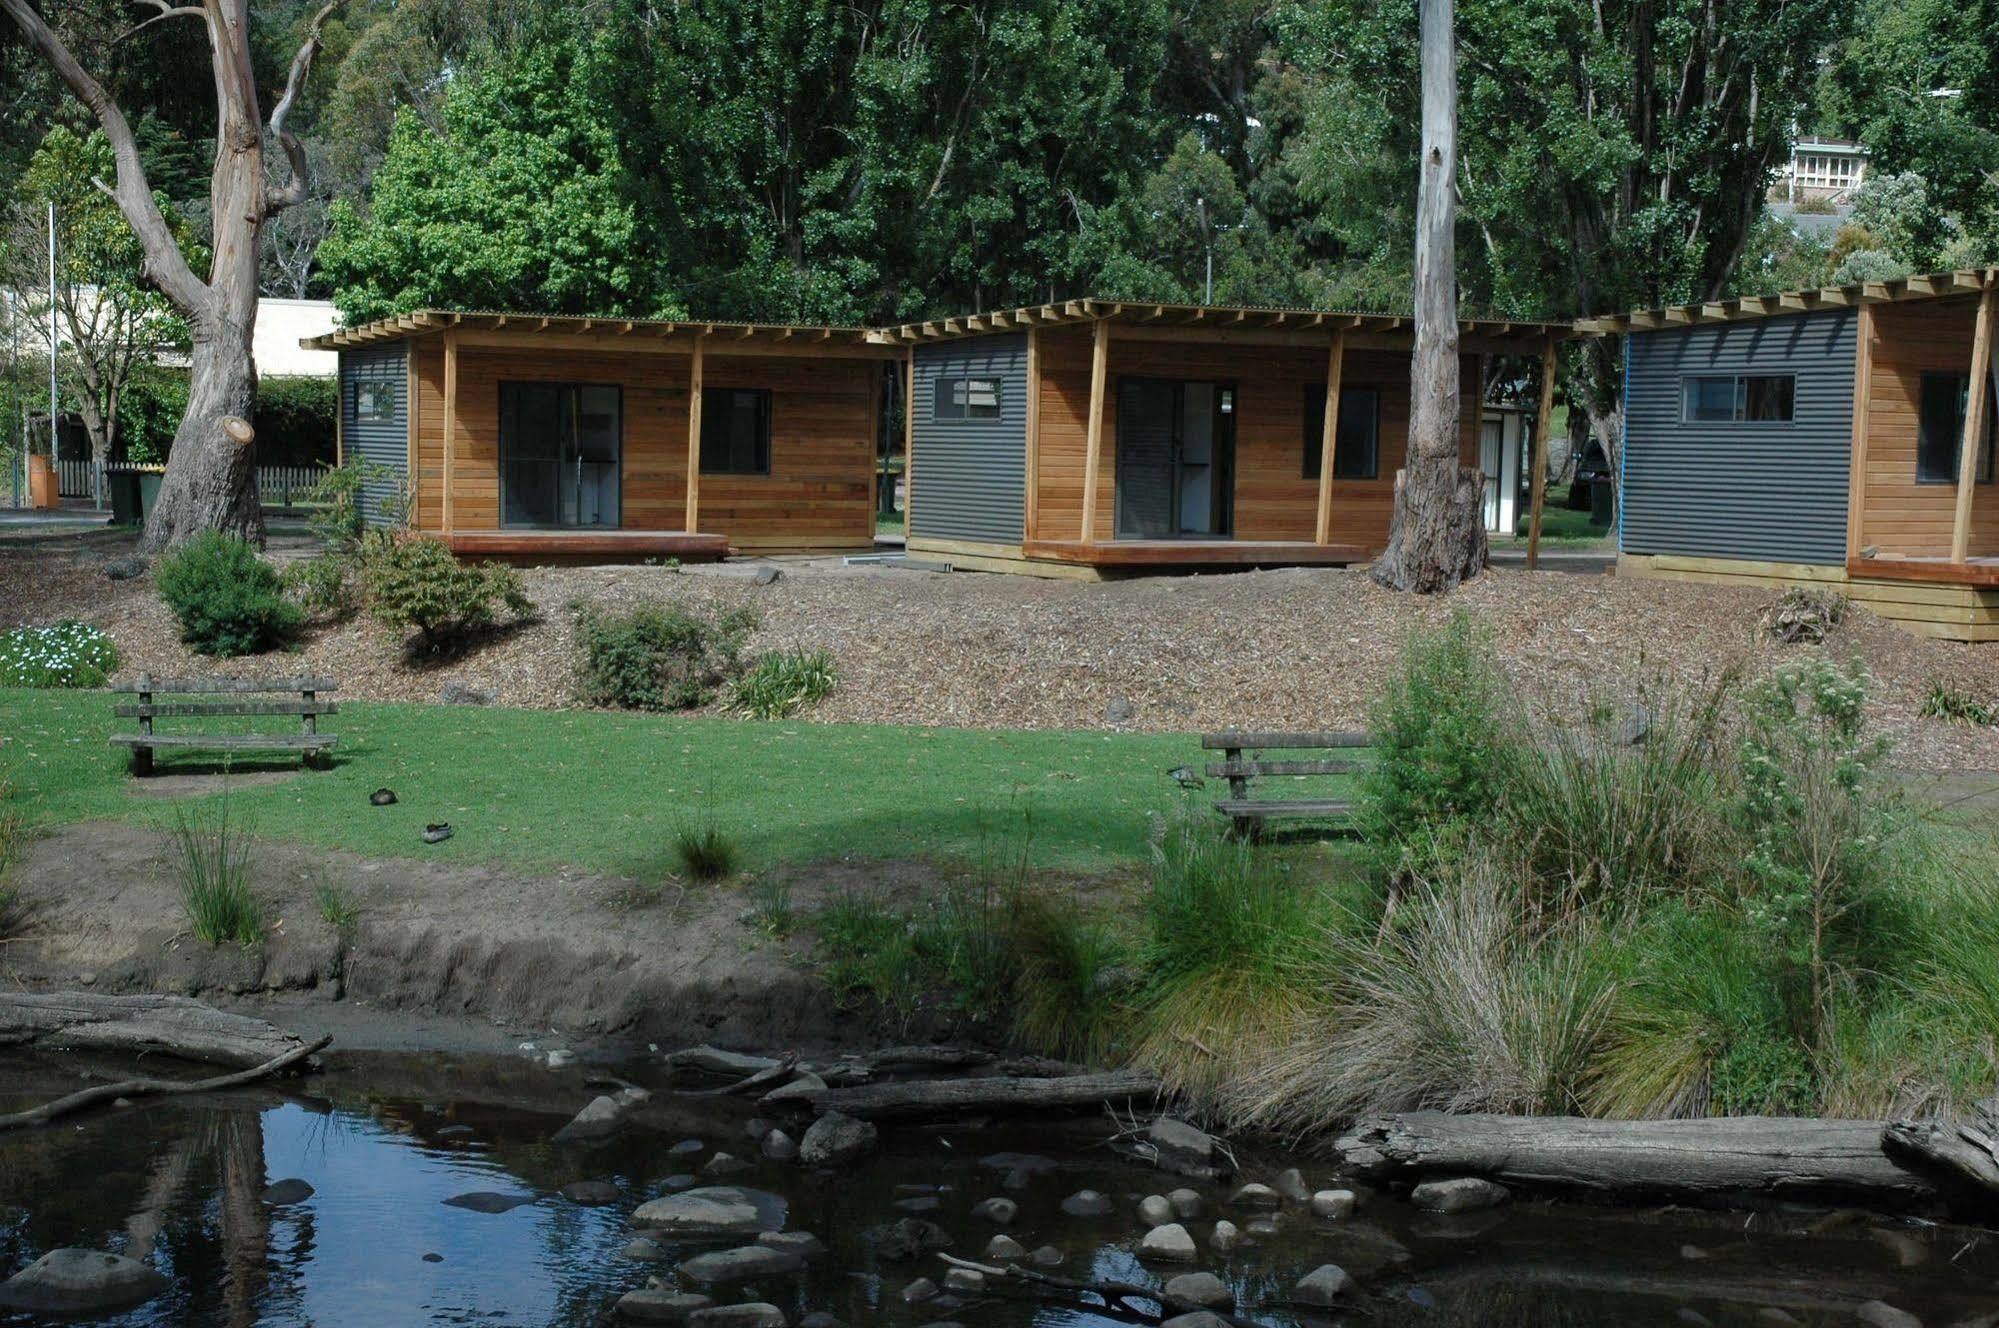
970	476
1772	492
384	442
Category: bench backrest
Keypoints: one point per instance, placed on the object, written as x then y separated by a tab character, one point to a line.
145	685
1239	771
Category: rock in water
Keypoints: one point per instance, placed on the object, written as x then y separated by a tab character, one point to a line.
487	1201
779	1146
590	1193
1170	1242
756	1314
643	1248
801	1243
1200	1289
1181	1148
1004	1247
72	1281
1086	1203
1334	1205
1880	1314
714	1210
1155	1210
280	1193
968	1281
603	1117
651	1306
1462	1195
723	1165
1256	1196
1187	1204
1198	1319
739	1265
1047	1256
1291	1184
1323	1287
1225	1237
835	1140
920	1290
906	1241
1000	1212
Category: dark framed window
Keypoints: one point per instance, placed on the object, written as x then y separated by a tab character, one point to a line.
1739	399
735	431
374	403
1357	451
1940	430
966	399
561	450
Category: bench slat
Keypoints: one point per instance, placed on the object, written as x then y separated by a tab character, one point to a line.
229	742
1244	810
185	709
213	686
1251	769
1278	741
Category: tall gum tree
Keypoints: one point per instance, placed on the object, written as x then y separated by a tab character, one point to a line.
1437	537
211	479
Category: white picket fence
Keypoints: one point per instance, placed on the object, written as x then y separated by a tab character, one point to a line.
279	486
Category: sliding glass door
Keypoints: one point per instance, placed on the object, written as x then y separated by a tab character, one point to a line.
1175	459
560	450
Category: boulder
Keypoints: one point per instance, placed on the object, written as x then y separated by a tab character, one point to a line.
1291	1184
1155	1210
643	1248
650	1306
835	1140
73	1281
602	1117
590	1193
714	1210
1225	1236
1005	1247
1463	1194
801	1243
280	1193
1334	1205
1256	1196
1187	1204
1181	1148
999	1212
1086	1203
779	1146
1323	1287
1170	1243
1200	1289
756	1314
746	1262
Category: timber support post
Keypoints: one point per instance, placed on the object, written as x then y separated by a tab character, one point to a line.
690	522
450	423
1329	438
1976	409
1542	418
1094	440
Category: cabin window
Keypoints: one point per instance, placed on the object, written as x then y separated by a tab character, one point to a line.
374	403
560	449
1357	451
1740	399
967	399
1940	432
735	431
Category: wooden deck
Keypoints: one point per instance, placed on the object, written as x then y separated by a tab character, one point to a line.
1980	572
1197	553
565	544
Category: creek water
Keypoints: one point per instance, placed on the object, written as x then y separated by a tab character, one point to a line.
384	1140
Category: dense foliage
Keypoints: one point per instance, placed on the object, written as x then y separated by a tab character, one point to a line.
659	656
228	600
413	581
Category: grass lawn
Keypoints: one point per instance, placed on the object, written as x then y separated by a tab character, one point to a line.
604	792
1562	527
888	525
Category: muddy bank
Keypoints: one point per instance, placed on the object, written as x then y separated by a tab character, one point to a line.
450	955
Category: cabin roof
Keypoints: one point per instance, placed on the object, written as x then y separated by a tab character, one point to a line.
1933	286
400	327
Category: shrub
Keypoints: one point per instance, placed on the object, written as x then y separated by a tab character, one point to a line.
413	581
659	656
67	654
704	852
1805	615
322	585
782	683
229	601
1955	705
213	865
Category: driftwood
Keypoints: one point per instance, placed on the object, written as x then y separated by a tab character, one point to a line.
1961	1156
1684	1159
172	1025
128	1088
749	1084
1116	1296
918	1098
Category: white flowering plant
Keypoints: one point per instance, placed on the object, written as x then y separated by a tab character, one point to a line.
65	654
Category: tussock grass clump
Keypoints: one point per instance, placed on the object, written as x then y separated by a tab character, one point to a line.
770	910
782	683
212	863
704	852
336	907
1072	974
13	831
1955	704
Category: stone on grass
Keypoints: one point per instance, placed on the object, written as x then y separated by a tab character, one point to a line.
1291	1184
73	1281
655	1306
801	1243
1086	1203
1170	1242
1199	1289
1254	1195
779	1146
1187	1204
1155	1211
1000	1212
720	1267
835	1140
590	1193
714	1210
1225	1236
1880	1314
920	1290
756	1314
1004	1246
970	1281
1323	1287
1334	1205
280	1193
1463	1194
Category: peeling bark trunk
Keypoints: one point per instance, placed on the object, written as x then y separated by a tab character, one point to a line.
1437	537
211	479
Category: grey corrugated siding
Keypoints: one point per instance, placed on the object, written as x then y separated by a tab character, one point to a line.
387	444
1771	492
970	476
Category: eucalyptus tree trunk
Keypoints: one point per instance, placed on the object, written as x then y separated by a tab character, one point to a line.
211	479
1437	537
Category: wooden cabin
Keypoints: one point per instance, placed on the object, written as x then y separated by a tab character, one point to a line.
1840	437
545	438
1094	436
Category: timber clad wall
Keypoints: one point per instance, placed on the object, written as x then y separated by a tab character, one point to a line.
1903	518
1758	491
972	483
1273	498
381	442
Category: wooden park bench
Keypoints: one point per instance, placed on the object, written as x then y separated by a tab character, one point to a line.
305	705
1242	762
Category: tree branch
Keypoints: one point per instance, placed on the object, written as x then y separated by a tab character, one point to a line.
295	190
89	1097
166	11
135	197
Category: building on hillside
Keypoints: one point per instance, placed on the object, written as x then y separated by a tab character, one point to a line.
283	326
1830	168
1094	436
544	438
1841	437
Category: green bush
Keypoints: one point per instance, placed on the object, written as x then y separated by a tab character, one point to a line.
658	656
322	585
413	581
228	600
782	683
67	654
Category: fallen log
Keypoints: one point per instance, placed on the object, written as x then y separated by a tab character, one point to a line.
919	1098
139	1025
1717	1158
129	1088
1962	1157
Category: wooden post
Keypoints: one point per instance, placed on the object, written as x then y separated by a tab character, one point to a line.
142	757
690	523
1863	403
1329	438
413	476
450	423
908	443
1975	411
1030	522
1543	420
1093	452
